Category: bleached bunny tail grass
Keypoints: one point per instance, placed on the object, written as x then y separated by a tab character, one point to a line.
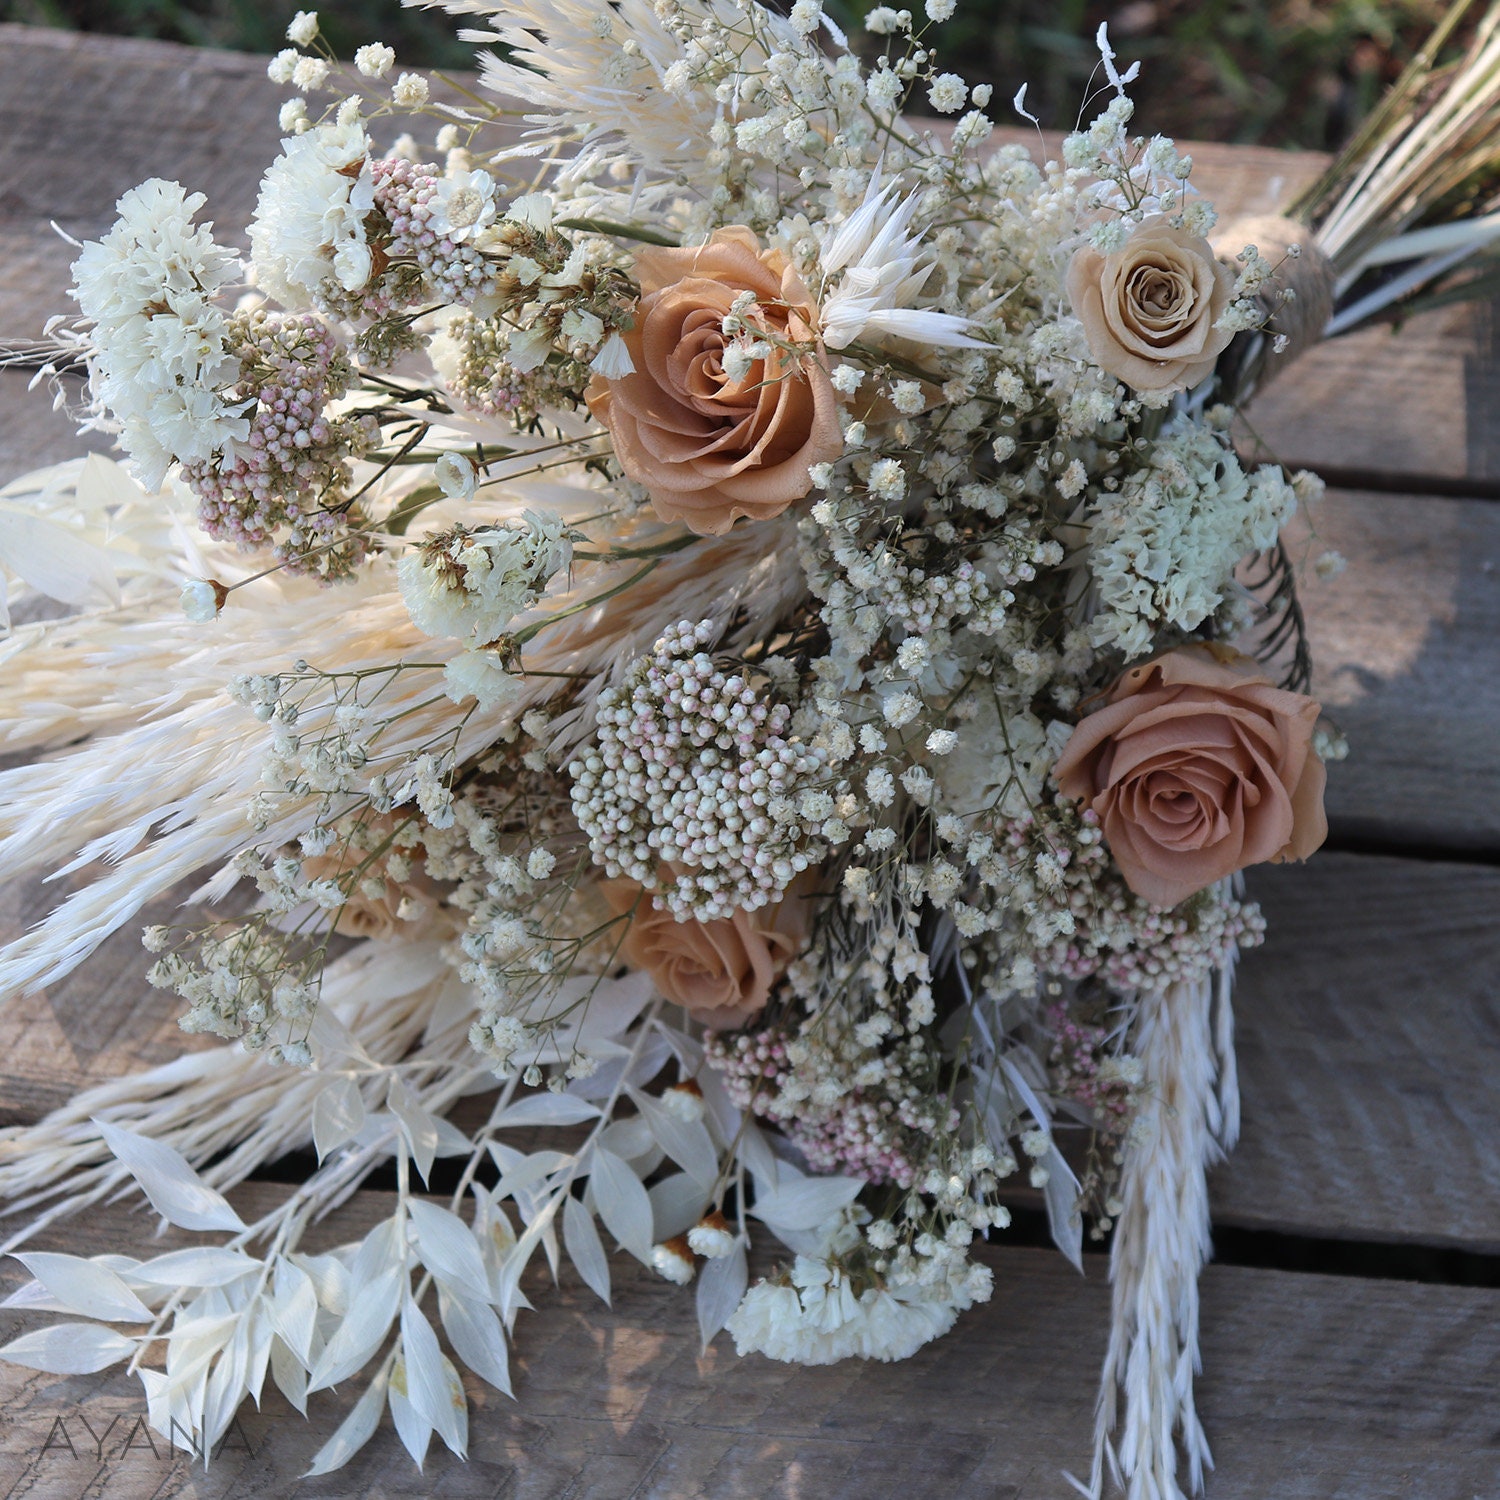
160	788
1146	1419
388	1011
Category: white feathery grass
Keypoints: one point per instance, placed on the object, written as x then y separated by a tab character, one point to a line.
566	59
160	789
1184	1038
382	1005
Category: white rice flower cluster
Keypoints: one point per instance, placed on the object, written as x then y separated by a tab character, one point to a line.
308	238
1164	546
161	362
695	786
470	584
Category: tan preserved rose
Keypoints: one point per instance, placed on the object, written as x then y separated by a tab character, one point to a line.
711	449
720	972
1198	765
1149	308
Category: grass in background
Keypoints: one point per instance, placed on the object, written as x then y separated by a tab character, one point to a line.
1278	72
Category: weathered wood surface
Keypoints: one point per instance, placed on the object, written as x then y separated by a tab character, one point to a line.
1317	1388
1368	1035
1369	1029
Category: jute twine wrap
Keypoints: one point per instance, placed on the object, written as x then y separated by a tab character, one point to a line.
1309	276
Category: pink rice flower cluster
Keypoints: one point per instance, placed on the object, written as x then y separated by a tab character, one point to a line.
1103	928
446	271
285	484
1084	1070
696	787
882	1134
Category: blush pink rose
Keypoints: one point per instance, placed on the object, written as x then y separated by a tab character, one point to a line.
1149	308
720	972
711	448
1198	765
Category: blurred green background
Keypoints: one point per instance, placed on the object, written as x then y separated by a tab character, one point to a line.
1278	72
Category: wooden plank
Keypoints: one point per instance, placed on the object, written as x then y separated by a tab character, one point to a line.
1369	1041
99	1024
32	435
618	1401
1404	647
83	118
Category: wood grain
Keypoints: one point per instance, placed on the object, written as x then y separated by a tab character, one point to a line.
1368	1035
1404	647
1315	1389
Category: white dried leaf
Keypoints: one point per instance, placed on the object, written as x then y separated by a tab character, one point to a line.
201	1265
614	1004
685	1141
69	1349
518	1172
476	1336
294	1309
290	1375
353	1432
1063	1218
760	1161
417	1126
414	1430
226	1387
623	1203
84	1287
427	1384
548	1109
721	1288
677	1203
56	561
174	1189
806	1202
510	1297
338	1115
372	1310
448	1248
330	1279
585	1248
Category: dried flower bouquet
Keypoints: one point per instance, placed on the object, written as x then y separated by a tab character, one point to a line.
721	612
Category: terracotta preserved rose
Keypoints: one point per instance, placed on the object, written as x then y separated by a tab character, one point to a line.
1198	765
720	972
711	447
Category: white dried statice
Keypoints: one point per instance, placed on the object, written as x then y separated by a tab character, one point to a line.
696	787
470	584
463	205
308	239
480	675
814	1316
160	361
1164	546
